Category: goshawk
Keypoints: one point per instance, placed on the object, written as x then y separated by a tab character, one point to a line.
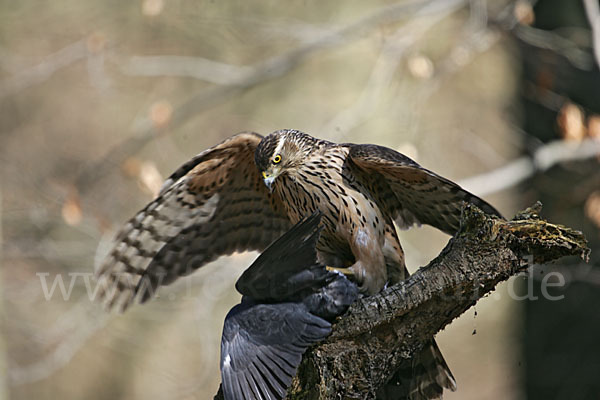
245	192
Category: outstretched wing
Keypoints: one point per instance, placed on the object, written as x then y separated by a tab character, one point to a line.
212	205
262	346
411	193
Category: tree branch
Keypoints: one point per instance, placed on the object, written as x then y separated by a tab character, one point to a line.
525	167
378	333
592	10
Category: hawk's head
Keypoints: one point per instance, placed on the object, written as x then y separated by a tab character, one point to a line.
282	152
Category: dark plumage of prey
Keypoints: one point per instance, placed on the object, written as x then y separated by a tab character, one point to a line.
288	298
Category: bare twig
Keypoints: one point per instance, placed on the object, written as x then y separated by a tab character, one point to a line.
144	130
193	67
386	65
475	43
42	71
543	39
525	167
592	10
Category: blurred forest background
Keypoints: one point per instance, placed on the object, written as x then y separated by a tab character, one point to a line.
101	101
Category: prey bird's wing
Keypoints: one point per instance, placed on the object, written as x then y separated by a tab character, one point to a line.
212	205
409	192
288	269
262	346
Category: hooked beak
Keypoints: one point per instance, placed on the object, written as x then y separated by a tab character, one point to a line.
268	180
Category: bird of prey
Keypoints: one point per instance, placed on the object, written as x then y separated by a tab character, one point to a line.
245	192
287	299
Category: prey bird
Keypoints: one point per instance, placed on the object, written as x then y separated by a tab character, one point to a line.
247	191
288	300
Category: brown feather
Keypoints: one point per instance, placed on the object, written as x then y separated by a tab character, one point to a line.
213	205
411	193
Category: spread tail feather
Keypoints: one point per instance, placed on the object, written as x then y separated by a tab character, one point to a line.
425	378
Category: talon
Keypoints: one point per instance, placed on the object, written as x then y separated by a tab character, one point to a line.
346	271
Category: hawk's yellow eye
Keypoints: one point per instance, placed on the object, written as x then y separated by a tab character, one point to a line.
277	159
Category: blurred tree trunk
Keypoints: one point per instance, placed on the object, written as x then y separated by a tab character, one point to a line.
560	343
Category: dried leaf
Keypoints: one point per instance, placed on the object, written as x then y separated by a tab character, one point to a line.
150	178
420	66
152	8
593	127
161	113
524	13
592	207
96	42
131	167
145	173
571	122
71	209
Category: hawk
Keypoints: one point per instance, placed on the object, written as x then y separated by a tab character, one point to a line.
247	191
287	301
